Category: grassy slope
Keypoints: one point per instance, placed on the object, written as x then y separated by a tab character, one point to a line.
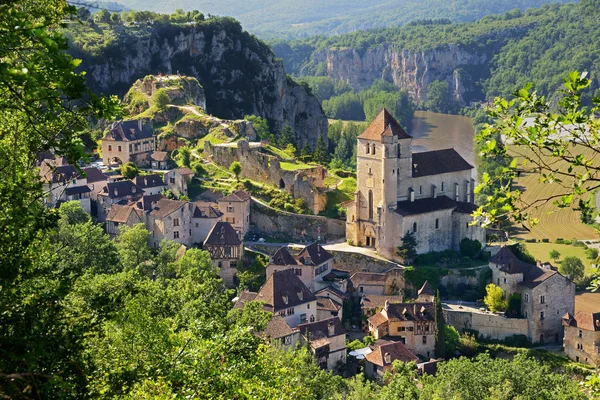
541	250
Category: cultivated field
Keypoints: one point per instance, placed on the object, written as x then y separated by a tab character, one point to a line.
553	222
587	301
540	252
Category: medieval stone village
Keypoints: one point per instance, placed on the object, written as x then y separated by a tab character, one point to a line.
347	286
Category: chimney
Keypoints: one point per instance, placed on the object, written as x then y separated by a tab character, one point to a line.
387	358
331	328
387	305
146	181
153	205
411	193
140	124
434	190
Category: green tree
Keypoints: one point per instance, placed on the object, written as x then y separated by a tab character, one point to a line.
451	340
132	244
129	170
102	16
83	13
161	99
573	267
236	169
184	156
439	97
494	298
115	18
261	127
286	136
320	155
440	332
408	249
591	253
71	213
469	247
513	305
554	254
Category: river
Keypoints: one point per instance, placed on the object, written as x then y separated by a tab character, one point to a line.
435	131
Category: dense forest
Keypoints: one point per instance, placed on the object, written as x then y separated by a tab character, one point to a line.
541	45
289	19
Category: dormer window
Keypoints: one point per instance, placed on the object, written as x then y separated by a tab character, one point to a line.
133	189
285	298
300	295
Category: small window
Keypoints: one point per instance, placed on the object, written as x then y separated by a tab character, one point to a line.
287	340
109	147
525	314
504	280
370	172
442	186
542	299
312	318
307	305
172	180
176	235
426	328
424	339
227	251
579	346
176	222
368	148
580	333
414	228
542	315
302	318
230	209
398	150
119	148
196	224
437	223
361	289
420	189
373	150
526	298
290	311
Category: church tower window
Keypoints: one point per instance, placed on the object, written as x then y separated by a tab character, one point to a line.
370	204
437	223
373	151
368	148
414	227
398	150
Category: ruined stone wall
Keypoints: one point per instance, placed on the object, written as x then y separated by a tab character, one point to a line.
302	184
266	221
489	325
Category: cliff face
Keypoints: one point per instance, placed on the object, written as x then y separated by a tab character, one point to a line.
410	70
239	74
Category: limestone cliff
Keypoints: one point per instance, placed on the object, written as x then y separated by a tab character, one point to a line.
410	70
239	73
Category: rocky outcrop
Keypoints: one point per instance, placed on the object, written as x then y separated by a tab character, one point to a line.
239	74
410	70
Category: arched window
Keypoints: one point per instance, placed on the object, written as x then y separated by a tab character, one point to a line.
442	186
437	223
373	151
398	150
368	148
393	171
370	204
414	227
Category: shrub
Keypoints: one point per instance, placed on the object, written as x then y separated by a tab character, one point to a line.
546	240
470	248
591	253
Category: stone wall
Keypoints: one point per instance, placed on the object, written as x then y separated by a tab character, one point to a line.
489	325
266	221
304	184
356	262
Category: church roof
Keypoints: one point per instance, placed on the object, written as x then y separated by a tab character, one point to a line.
438	162
426	205
384	125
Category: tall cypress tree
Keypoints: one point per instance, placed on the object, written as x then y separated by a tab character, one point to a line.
440	337
320	154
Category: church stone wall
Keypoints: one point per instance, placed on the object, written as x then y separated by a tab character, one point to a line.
423	185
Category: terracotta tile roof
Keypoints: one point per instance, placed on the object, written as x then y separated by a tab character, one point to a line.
584	320
125	131
205	209
319	329
119	213
165	207
283	290
317	255
438	162
371	301
159	156
57	174
318	339
426	289
384	125
244	297
283	257
411	311
237	196
93	175
378	320
394	350
327	304
277	328
510	264
426	205
368	278
77	190
223	234
149	181
184	171
122	189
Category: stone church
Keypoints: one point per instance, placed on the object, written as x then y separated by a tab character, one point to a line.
429	193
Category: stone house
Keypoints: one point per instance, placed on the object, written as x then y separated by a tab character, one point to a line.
122	215
96	180
178	180
546	295
285	295
369	283
226	250
128	141
384	353
327	341
327	308
428	193
413	324
311	265
64	183
236	210
581	341
371	303
333	293
151	184
115	193
158	159
171	220
206	215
